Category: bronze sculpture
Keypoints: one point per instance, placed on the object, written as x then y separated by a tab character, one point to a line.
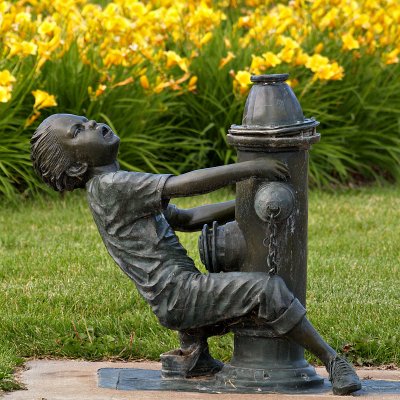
137	223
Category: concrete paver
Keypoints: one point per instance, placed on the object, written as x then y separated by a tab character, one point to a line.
77	380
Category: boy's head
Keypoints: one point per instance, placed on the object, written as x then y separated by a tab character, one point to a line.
65	147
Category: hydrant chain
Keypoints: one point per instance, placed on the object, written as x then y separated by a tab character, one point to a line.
272	257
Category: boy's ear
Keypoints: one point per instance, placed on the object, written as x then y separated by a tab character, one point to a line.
77	169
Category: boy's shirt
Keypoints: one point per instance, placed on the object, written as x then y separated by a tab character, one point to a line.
127	208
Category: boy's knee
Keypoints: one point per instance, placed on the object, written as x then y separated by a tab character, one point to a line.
275	298
170	321
285	311
276	281
169	317
278	291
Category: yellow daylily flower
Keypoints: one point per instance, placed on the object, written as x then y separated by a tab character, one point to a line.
301	58
192	83
35	115
47	28
100	90
226	60
286	55
271	60
175	59
23	17
362	20
243	78
28	48
378	28
6	78
5	93
391	57
349	42
206	38
242	81
4	6
257	64
117	24
318	48
331	72
330	19
125	82
160	86
43	99
23	49
116	57
244	22
316	62
292	82
287	42
144	82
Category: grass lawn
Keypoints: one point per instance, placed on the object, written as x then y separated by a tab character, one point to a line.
62	296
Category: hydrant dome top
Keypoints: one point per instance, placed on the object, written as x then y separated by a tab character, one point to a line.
273	118
272	105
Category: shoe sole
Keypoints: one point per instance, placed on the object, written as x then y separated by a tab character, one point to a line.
347	389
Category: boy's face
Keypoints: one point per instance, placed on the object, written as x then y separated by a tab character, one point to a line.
86	141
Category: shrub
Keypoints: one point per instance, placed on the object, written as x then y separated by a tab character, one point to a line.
171	77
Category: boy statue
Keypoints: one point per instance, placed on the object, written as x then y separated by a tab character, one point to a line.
136	222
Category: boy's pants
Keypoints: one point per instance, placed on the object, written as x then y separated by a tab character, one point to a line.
200	305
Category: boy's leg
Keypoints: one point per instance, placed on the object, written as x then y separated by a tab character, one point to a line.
291	322
222	298
193	357
200	306
341	374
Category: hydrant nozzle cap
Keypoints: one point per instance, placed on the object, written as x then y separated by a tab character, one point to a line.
270	78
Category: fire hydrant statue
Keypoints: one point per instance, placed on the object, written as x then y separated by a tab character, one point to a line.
256	261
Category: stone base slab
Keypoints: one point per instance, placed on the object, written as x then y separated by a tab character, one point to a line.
74	380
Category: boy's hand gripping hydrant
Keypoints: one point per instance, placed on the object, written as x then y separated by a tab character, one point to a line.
262	248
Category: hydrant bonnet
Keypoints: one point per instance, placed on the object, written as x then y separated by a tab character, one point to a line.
273	117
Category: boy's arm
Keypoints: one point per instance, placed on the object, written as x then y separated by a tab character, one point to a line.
193	219
210	179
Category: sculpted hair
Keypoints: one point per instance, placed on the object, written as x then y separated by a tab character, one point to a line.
50	161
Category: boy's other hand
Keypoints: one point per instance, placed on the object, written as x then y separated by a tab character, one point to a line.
271	169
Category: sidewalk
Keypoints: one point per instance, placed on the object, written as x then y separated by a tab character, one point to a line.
77	380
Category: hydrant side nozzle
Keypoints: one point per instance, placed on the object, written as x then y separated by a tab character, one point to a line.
274	199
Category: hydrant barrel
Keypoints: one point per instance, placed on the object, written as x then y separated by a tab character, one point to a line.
273	127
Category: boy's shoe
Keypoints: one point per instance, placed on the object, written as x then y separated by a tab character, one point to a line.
205	365
343	376
196	361
176	364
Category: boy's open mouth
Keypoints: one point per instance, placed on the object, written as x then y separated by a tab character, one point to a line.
106	132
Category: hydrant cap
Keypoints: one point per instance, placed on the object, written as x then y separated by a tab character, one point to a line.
271	104
270	78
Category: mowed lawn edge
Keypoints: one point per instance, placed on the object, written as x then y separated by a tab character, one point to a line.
62	295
